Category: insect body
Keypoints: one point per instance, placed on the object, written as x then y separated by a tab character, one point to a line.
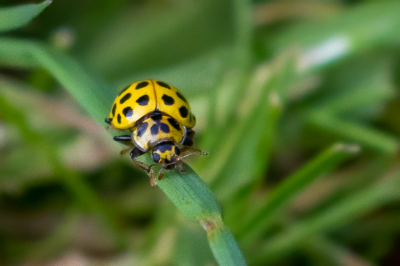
144	97
160	121
157	129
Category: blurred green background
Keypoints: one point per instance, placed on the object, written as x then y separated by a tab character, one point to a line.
297	103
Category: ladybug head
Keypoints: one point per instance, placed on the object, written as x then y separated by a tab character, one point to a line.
166	153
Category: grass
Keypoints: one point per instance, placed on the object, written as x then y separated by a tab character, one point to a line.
298	116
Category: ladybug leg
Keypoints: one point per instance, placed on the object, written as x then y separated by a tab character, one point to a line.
180	167
153	180
161	174
147	168
126	140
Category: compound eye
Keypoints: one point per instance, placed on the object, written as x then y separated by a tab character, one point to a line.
156	157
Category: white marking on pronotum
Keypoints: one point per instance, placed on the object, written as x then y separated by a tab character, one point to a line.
324	53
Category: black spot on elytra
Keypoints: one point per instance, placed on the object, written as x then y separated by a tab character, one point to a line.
119	119
143	100
183	111
141	85
181	96
154	129
113	109
127	87
143	127
174	124
128	112
168	100
162	84
125	98
156	157
164	128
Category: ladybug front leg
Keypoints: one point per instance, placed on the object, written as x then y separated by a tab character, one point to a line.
180	167
161	174
126	140
148	168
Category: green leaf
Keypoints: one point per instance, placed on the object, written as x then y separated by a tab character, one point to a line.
328	252
348	209
261	101
163	38
351	130
369	84
351	31
95	96
225	248
196	201
294	184
17	16
190	194
72	181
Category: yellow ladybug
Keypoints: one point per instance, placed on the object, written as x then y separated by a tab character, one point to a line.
159	117
144	97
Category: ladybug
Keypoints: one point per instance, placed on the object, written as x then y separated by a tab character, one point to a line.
160	120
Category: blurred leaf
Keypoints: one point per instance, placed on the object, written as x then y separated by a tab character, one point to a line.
195	201
158	36
293	185
351	130
331	253
356	86
262	101
349	32
92	94
17	16
350	208
194	77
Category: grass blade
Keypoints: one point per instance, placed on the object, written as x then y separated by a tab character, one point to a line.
365	136
17	16
343	212
195	200
74	182
349	32
92	94
295	183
